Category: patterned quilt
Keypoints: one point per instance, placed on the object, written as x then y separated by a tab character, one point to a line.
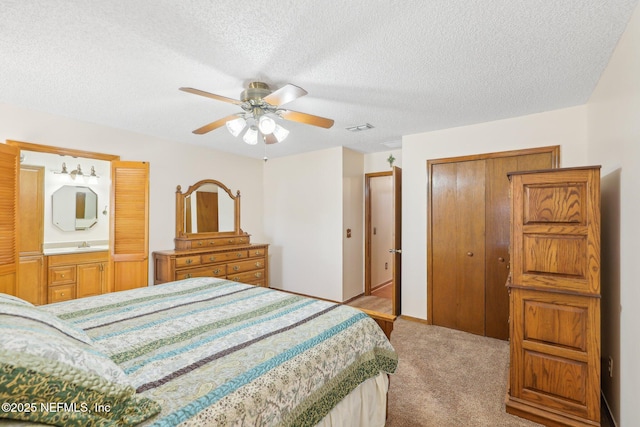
216	352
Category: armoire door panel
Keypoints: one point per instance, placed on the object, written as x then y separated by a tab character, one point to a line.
557	324
554	376
561	203
555	255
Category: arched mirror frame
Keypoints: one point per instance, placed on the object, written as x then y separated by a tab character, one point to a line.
180	212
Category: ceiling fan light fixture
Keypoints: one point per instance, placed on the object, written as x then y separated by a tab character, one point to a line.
236	126
266	125
251	135
280	133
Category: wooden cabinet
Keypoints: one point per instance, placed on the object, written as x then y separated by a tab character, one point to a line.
31	284
76	275
554	289
246	263
467	253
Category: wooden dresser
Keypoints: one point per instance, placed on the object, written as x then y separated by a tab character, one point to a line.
246	263
554	289
209	241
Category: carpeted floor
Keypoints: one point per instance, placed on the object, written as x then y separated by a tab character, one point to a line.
448	378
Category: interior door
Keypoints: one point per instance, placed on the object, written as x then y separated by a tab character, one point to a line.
9	221
397	241
130	225
458	204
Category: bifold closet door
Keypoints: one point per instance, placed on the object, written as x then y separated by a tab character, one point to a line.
458	236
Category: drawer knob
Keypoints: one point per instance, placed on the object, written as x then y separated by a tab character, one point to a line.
213	242
236	268
236	279
212	258
189	261
188	276
199	243
258	253
61	294
216	271
62	275
469	253
258	264
230	240
258	274
239	254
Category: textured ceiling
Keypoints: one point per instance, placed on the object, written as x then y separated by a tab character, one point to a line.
403	66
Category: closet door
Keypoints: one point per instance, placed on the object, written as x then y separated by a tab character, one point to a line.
497	236
468	234
9	166
130	225
458	229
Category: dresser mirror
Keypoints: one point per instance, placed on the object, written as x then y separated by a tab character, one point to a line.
207	209
74	208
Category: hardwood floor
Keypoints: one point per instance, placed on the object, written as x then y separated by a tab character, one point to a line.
379	301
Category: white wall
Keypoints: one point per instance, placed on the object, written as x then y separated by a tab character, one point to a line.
614	142
303	222
171	164
377	162
566	127
353	219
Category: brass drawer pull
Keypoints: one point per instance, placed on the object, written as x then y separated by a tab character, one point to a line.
258	253
189	261
258	264
62	275
188	276
199	243
239	254
258	274
216	271
230	240
212	258
236	268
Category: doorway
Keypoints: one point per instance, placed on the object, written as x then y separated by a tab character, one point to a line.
383	239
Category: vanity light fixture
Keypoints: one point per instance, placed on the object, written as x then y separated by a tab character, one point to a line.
76	172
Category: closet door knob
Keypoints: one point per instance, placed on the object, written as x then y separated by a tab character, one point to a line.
500	259
469	253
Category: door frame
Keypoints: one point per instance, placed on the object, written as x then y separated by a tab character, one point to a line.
554	150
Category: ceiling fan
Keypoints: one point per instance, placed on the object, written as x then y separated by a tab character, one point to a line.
262	107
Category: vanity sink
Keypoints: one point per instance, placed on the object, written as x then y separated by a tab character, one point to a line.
75	249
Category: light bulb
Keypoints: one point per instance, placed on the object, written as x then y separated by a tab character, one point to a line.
266	125
235	126
280	133
251	135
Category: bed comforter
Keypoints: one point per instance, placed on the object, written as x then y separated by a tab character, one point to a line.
217	352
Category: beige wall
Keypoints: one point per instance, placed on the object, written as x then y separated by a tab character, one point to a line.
566	127
171	164
614	142
377	162
353	219
303	222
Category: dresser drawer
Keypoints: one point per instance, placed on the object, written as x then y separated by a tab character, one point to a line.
257	252
222	256
239	267
251	277
186	261
213	271
61	293
62	275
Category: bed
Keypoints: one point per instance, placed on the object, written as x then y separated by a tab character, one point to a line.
196	352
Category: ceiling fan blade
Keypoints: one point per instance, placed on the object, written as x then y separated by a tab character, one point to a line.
214	125
285	94
308	119
211	95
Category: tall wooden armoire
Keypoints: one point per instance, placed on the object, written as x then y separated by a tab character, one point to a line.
554	289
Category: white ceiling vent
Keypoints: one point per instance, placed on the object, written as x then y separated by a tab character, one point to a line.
360	128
